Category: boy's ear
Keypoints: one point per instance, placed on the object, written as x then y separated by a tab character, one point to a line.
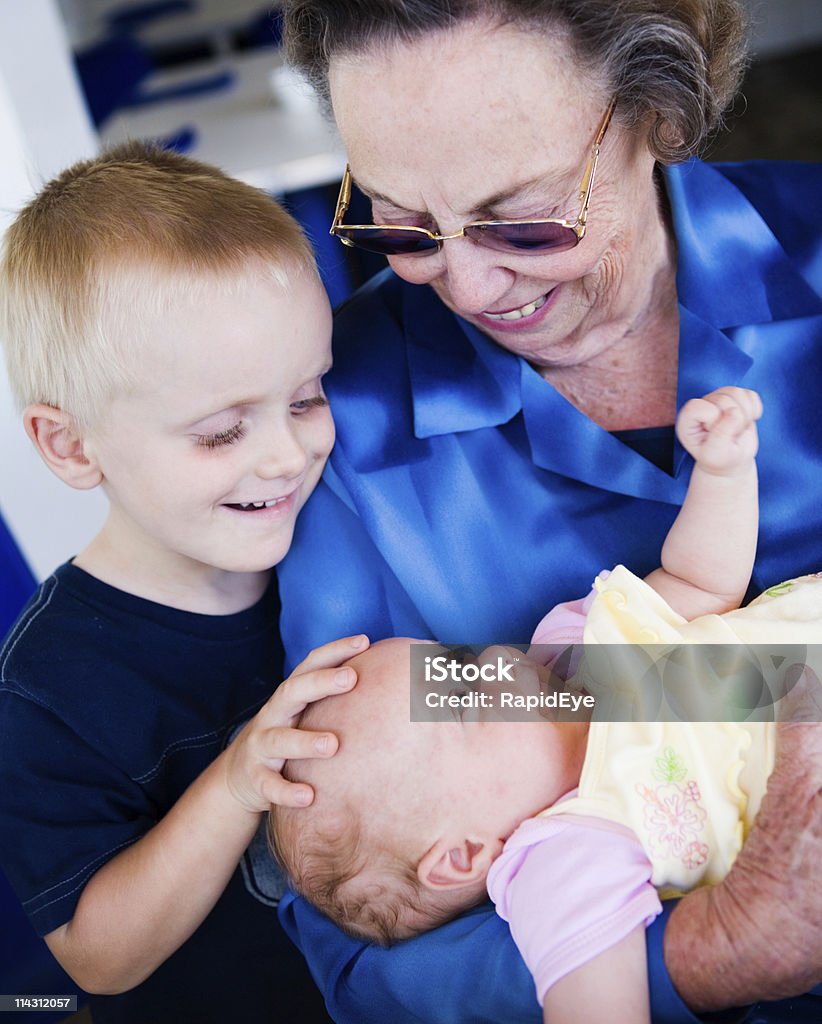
447	866
56	437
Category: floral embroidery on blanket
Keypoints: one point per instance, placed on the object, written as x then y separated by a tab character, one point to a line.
673	814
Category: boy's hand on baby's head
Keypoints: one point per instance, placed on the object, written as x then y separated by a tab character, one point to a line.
719	430
255	759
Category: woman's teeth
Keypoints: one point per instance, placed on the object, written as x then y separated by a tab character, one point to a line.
518	314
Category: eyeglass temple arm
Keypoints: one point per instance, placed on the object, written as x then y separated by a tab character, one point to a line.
588	178
343	200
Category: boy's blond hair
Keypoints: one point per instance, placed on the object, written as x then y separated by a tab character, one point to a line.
112	238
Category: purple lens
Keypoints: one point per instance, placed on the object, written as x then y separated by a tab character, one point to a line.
389	241
528	236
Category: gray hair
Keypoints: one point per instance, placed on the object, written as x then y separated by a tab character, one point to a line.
673	64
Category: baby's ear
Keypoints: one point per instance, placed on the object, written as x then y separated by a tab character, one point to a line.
58	440
446	866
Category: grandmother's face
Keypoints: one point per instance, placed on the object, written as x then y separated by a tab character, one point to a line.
485	122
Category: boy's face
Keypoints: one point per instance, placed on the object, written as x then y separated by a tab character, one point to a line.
209	458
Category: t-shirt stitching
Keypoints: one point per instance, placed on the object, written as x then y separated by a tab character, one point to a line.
26	623
189	743
86	871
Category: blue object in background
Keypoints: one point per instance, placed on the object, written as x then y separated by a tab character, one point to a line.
342	268
135	16
18	582
314	209
113	74
265	29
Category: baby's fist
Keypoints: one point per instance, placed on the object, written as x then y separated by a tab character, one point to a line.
719	430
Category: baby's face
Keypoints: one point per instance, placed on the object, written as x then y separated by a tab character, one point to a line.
209	458
419	781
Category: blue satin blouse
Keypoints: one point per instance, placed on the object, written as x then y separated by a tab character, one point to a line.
465	497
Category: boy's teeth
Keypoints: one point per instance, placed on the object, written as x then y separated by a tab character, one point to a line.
518	314
247	506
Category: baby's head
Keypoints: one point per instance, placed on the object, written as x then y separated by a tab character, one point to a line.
408	816
166	334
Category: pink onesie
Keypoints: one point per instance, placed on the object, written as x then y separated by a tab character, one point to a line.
570	887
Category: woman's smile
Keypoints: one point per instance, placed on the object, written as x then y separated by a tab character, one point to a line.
435	171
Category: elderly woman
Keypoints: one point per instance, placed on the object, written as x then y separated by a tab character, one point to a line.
563	276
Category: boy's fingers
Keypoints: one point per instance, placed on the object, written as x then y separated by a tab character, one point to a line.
277	790
334	653
284	744
297	692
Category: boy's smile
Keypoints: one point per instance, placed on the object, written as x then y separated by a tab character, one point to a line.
209	458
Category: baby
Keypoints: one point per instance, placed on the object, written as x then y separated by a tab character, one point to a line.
583	821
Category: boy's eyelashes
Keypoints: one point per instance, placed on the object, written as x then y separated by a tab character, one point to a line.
221	437
306	404
238	431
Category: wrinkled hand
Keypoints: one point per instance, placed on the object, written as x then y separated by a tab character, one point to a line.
253	762
719	430
758	934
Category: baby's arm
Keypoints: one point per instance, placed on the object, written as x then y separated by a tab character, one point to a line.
709	552
612	986
146	902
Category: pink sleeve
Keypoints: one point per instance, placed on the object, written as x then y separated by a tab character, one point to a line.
570	888
557	640
562	627
564	623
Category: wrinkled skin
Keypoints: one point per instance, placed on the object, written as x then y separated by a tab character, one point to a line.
758	935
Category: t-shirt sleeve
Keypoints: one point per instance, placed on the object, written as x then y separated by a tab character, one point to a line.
58	826
570	888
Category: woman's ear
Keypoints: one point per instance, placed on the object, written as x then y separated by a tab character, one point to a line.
57	438
447	866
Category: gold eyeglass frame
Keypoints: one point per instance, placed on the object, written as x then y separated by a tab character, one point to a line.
578	226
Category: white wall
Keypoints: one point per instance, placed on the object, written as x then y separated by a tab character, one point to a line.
44	126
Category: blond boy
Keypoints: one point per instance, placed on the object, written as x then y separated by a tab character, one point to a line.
166	335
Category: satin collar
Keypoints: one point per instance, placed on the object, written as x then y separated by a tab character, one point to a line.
731	271
731	268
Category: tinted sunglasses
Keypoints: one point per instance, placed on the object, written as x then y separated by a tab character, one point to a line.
541	235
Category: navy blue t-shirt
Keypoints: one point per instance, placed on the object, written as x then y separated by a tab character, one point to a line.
110	706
